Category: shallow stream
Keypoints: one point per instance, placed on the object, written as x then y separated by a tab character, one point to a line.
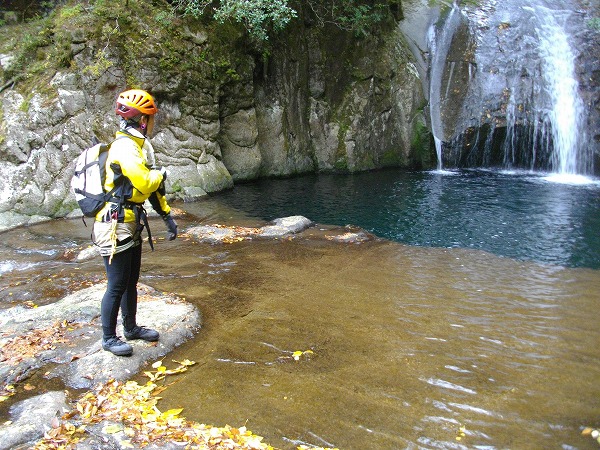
412	346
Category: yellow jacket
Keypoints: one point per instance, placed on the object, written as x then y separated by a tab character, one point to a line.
127	158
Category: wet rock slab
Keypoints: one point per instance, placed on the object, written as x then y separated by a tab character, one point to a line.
69	334
76	354
278	228
31	419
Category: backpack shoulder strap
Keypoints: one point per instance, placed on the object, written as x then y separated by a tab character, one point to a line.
124	134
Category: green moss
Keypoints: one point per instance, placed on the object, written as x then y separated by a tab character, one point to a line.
176	187
24	106
366	162
2	124
390	158
420	147
69	13
594	24
341	164
341	155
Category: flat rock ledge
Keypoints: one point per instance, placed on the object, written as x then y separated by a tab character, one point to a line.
278	228
70	331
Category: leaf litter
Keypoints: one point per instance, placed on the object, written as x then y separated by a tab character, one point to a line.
130	412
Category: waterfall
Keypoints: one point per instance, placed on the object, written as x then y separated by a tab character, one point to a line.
523	90
566	114
439	45
551	109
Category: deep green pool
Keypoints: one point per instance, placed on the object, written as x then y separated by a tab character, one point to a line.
520	215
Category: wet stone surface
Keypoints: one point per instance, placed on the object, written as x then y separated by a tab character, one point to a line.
63	340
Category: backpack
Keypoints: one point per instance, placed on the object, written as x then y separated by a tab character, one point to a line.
87	182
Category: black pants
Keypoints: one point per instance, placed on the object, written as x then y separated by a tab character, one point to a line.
123	274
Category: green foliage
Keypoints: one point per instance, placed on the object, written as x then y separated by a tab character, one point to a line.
106	9
194	8
594	24
259	17
101	65
165	18
358	16
69	13
27	51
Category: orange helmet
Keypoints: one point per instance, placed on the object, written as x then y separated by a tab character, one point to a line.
134	102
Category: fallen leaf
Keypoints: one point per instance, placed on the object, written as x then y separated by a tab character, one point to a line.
55	423
185	362
172	413
112	429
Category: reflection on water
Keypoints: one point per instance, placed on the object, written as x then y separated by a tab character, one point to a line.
413	347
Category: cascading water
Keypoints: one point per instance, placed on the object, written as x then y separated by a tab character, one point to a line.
523	92
565	118
552	111
439	41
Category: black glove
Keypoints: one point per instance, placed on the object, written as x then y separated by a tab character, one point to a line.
171	227
163	172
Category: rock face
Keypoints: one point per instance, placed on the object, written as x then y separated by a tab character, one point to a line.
323	100
326	101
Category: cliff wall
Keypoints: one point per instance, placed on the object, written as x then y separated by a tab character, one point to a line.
320	99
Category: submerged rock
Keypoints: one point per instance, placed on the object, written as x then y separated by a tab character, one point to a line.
286	225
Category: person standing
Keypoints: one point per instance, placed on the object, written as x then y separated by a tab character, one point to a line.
118	226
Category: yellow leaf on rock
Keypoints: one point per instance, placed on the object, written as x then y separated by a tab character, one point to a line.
157	364
112	429
171	413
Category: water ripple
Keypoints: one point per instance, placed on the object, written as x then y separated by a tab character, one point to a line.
447	385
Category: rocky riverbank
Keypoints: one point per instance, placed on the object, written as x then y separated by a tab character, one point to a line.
62	341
